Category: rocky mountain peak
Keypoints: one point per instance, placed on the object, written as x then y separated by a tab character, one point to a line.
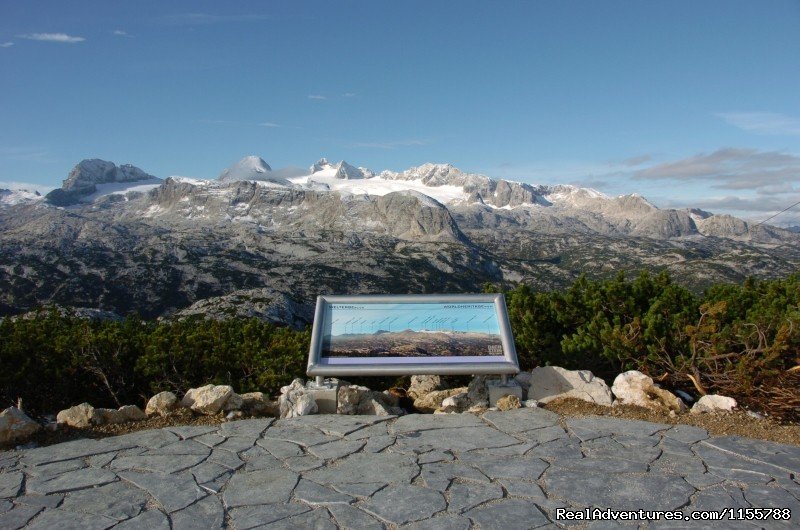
88	174
248	168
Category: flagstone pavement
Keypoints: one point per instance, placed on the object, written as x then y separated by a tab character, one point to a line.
504	470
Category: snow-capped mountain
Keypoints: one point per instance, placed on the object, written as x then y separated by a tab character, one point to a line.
128	241
94	178
16	197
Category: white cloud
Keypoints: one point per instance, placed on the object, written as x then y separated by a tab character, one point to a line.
26	154
768	123
316	96
349	95
121	32
269	124
53	37
206	19
26	186
729	168
6	44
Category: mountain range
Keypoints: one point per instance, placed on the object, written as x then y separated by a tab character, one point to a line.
263	242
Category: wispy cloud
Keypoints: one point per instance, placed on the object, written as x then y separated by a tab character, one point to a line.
27	186
269	124
121	33
53	37
26	154
768	123
207	19
317	96
729	168
6	44
637	160
349	95
389	145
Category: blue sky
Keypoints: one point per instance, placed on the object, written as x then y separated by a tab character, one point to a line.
369	318
688	103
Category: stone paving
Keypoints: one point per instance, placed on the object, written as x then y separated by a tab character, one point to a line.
503	470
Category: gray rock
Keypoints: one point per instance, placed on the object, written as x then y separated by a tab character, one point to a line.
382	468
499	466
550	382
10	484
508	514
521	420
772	497
439	475
464	497
313	493
117	500
314	520
18	517
48	471
72	450
162	404
44	501
151	439
172	492
347	516
157	463
589	427
441	522
298	433
70	481
185	432
783	457
353	427
70	521
206	513
267	486
15	425
151	519
618	491
404	503
461	439
337	449
424	422
686	433
249	517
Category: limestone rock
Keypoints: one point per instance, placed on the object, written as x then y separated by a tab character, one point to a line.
714	403
208	399
79	416
162	404
477	391
508	402
530	404
234	402
295	401
433	400
257	404
16	425
524	380
132	413
424	384
550	382
348	398
635	388
106	416
456	403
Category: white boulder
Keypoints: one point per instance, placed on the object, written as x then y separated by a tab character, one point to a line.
16	425
547	383
296	401
635	388
162	404
208	399
714	403
424	384
80	416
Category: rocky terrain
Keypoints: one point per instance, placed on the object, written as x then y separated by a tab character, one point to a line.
265	243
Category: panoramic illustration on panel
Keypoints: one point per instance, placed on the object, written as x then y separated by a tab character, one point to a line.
412	330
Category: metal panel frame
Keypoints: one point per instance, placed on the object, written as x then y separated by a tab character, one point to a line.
510	365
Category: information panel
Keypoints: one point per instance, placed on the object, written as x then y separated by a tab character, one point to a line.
411	334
